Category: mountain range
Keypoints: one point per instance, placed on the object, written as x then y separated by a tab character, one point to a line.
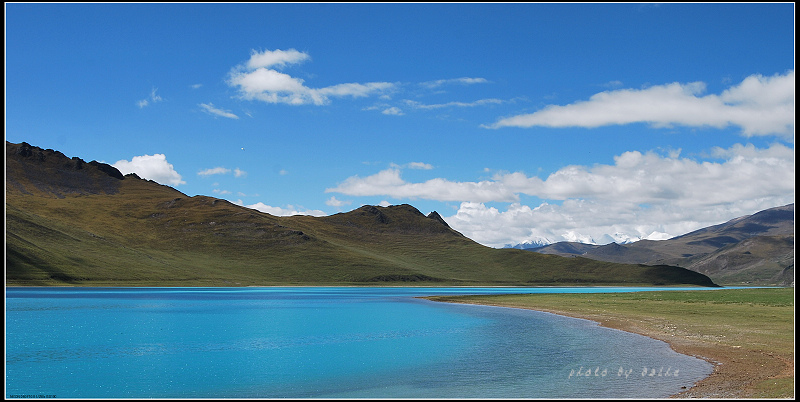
756	249
77	223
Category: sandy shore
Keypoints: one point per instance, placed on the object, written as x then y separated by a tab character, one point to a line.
736	370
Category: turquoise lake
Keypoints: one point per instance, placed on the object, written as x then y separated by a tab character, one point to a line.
322	342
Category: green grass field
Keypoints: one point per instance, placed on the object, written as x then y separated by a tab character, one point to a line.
751	331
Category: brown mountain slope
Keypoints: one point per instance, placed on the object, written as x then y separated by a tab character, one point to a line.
758	259
77	223
756	249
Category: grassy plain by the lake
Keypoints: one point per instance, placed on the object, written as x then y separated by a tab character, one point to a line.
748	334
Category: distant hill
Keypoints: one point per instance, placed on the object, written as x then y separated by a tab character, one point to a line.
69	222
756	249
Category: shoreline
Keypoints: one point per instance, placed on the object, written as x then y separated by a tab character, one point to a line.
731	376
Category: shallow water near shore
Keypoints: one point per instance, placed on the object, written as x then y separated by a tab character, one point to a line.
322	342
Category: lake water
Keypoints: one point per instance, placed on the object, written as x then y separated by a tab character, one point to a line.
321	342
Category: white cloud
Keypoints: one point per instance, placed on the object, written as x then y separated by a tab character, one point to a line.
336	203
222	170
288	211
213	171
151	167
353	89
759	105
479	102
388	182
651	178
256	80
413	165
642	195
152	98
595	222
210	109
393	111
420	165
635	177
275	58
461	81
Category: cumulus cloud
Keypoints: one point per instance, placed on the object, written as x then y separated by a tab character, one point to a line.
594	222
290	210
635	177
759	105
388	182
257	79
151	167
210	109
275	58
652	178
658	195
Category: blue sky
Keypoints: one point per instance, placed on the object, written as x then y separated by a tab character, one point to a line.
516	122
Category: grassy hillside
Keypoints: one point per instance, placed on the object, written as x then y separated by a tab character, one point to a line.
75	223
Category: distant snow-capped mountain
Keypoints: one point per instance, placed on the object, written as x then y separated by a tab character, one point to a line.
573	237
619	238
530	244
